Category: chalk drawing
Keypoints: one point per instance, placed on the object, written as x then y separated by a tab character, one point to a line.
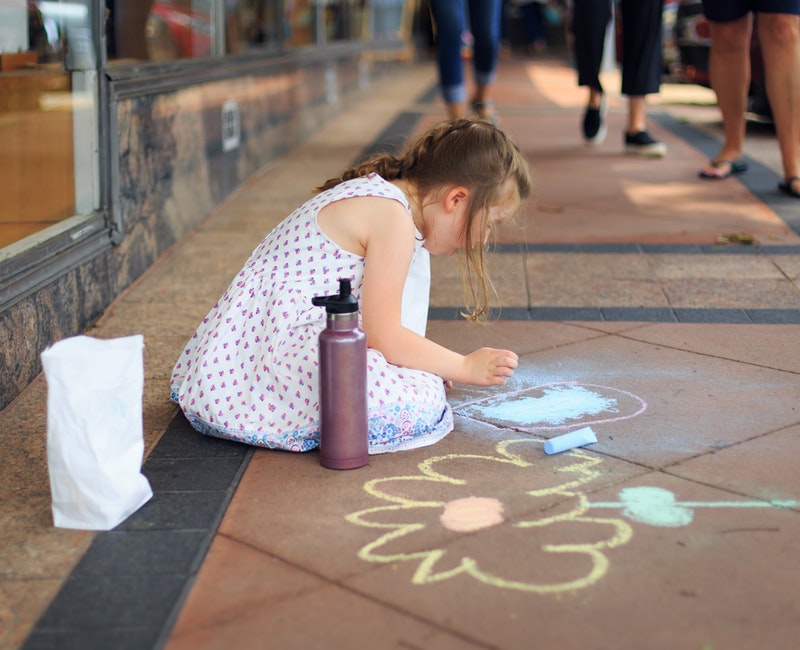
556	406
658	507
402	521
439	500
472	513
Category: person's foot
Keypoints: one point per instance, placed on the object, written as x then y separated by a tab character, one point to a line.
722	168
594	128
643	144
484	110
790	186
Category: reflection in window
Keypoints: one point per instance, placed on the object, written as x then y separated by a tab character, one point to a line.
387	19
343	19
162	30
300	22
252	24
159	30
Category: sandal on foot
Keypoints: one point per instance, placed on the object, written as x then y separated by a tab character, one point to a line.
723	169
787	187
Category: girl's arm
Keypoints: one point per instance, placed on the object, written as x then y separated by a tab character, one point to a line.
388	243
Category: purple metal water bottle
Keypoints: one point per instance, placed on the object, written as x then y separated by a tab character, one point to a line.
342	383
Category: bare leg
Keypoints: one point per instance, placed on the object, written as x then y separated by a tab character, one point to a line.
729	64
779	35
636	114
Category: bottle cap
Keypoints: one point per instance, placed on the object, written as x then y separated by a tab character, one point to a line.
342	303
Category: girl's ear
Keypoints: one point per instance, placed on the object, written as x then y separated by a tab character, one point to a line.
454	197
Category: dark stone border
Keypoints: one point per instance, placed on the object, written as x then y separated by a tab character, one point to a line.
630	314
126	591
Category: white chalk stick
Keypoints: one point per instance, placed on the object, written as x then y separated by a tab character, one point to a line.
570	440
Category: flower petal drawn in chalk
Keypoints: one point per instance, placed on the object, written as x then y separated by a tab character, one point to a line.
445	518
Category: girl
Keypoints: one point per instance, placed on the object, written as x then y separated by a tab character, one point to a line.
250	373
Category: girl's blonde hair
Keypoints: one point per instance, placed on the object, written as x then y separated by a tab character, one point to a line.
469	152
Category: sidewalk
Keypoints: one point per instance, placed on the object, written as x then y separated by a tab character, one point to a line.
678	529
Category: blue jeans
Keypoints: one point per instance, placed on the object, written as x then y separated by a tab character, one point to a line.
450	18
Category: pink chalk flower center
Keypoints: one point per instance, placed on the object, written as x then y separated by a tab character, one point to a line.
471	513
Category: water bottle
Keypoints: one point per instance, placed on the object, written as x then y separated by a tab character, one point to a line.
342	383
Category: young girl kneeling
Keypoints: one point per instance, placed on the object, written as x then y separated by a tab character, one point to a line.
250	371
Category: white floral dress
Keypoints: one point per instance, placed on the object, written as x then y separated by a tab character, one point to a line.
250	372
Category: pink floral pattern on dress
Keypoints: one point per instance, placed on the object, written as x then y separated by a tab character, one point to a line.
250	372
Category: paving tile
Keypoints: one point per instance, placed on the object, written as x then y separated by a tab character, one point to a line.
235	579
507	273
598	280
712	315
716	267
790	265
113	613
577	582
661	405
775	316
521	337
764	467
21	604
31	547
329	617
130	638
121	553
769	346
739	294
186	474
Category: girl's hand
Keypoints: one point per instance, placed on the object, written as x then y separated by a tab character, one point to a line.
489	367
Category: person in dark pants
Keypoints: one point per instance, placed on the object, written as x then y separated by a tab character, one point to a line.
642	66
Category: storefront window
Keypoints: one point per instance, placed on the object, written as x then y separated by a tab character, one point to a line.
48	116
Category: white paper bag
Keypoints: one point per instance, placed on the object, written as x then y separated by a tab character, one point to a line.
95	439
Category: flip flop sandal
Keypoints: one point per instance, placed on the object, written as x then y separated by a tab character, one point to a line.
734	167
787	188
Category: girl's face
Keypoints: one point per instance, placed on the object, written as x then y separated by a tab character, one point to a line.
447	220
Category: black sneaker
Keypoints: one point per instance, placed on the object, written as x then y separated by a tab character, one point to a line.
594	128
642	144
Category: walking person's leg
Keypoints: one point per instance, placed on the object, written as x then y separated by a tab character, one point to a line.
642	68
484	20
590	20
729	68
449	24
779	35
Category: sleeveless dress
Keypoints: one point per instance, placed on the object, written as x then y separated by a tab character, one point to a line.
250	372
